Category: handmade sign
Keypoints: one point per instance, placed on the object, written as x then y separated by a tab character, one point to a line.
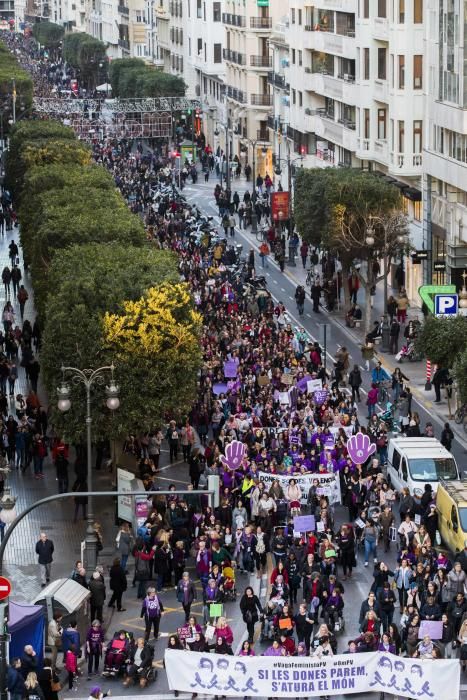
432	628
230	369
304	523
234	453
319	397
215	610
301	677
359	448
314	385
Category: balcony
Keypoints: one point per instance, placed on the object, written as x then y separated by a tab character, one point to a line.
261	100
124	44
233	20
236	95
277	80
261	61
380	29
347	77
234	57
262	135
329	42
260	23
409	163
347	123
123	10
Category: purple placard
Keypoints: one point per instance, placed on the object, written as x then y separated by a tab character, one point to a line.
329	441
304	523
219	389
320	396
230	369
360	447
141	509
432	627
302	383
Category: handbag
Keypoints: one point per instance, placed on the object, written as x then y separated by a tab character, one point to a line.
56	686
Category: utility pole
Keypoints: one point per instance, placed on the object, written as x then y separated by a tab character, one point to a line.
227	157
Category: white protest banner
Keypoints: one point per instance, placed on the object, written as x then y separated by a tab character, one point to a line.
313	385
327	484
348	430
305	676
284	397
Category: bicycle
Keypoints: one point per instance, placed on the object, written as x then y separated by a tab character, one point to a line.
383	393
261	234
460	414
309	278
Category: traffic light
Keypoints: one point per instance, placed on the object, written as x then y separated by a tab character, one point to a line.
188	112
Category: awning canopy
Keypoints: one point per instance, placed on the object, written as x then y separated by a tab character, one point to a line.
412	193
66	592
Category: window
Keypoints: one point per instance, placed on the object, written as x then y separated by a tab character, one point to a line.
401	74
401	125
382	124
217	53
401	14
199	9
404	469
366	123
417	136
366	9
299	17
300	57
418	11
366	64
216	12
382	9
300	98
200	46
417	211
417	72
454	519
293	56
292	15
294	96
382	64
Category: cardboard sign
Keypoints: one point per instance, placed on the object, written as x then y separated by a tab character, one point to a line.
287	379
304	523
320	526
330	553
263	380
215	610
285	623
284	397
433	628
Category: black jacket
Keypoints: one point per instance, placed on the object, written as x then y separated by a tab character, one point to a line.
97	589
45	550
118	581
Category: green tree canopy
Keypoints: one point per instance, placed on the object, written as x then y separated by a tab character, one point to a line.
460	370
48	34
88	281
86	216
84	52
131	77
9	70
49	178
442	340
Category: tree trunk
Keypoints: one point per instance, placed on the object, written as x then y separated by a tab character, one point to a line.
368	283
346	267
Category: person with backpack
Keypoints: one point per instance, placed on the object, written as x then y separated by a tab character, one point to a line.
142	559
151	611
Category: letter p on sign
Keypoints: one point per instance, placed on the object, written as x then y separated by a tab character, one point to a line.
446	304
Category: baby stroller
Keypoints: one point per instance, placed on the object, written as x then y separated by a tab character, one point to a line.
117	653
230	591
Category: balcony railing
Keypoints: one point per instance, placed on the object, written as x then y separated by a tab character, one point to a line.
124	44
348	123
348	77
234	57
233	20
262	135
325	113
123	10
261	61
260	22
237	95
261	100
277	80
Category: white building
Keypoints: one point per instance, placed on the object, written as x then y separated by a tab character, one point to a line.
356	93
445	154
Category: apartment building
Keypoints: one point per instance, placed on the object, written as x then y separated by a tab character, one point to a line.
206	38
357	94
248	61
279	120
445	149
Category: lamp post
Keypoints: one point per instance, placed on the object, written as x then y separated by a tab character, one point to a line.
277	170
227	156
89	377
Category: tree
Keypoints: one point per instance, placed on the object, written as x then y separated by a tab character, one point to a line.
131	77
460	371
161	332
84	52
442	340
119	65
66	218
86	282
71	44
49	178
48	34
336	208
9	70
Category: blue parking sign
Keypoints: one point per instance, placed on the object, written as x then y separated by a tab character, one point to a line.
446	304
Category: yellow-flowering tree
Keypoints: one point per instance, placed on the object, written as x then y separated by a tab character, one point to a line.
156	343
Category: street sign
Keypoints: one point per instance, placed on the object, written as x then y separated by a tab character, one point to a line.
5	587
428	291
439	267
446	304
422	254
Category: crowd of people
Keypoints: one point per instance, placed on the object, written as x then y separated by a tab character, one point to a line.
263	386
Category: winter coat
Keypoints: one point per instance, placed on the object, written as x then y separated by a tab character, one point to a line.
118	582
97	589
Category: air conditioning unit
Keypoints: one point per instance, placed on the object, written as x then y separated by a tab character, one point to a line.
285	62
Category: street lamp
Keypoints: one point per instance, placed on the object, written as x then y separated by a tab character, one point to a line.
253	143
88	377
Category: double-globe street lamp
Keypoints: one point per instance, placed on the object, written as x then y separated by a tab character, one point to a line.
370	241
89	377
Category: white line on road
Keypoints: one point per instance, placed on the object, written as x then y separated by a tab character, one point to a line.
283	290
275	282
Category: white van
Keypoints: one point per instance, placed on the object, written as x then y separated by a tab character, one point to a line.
414	462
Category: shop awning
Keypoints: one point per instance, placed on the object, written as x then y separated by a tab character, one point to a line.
412	193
